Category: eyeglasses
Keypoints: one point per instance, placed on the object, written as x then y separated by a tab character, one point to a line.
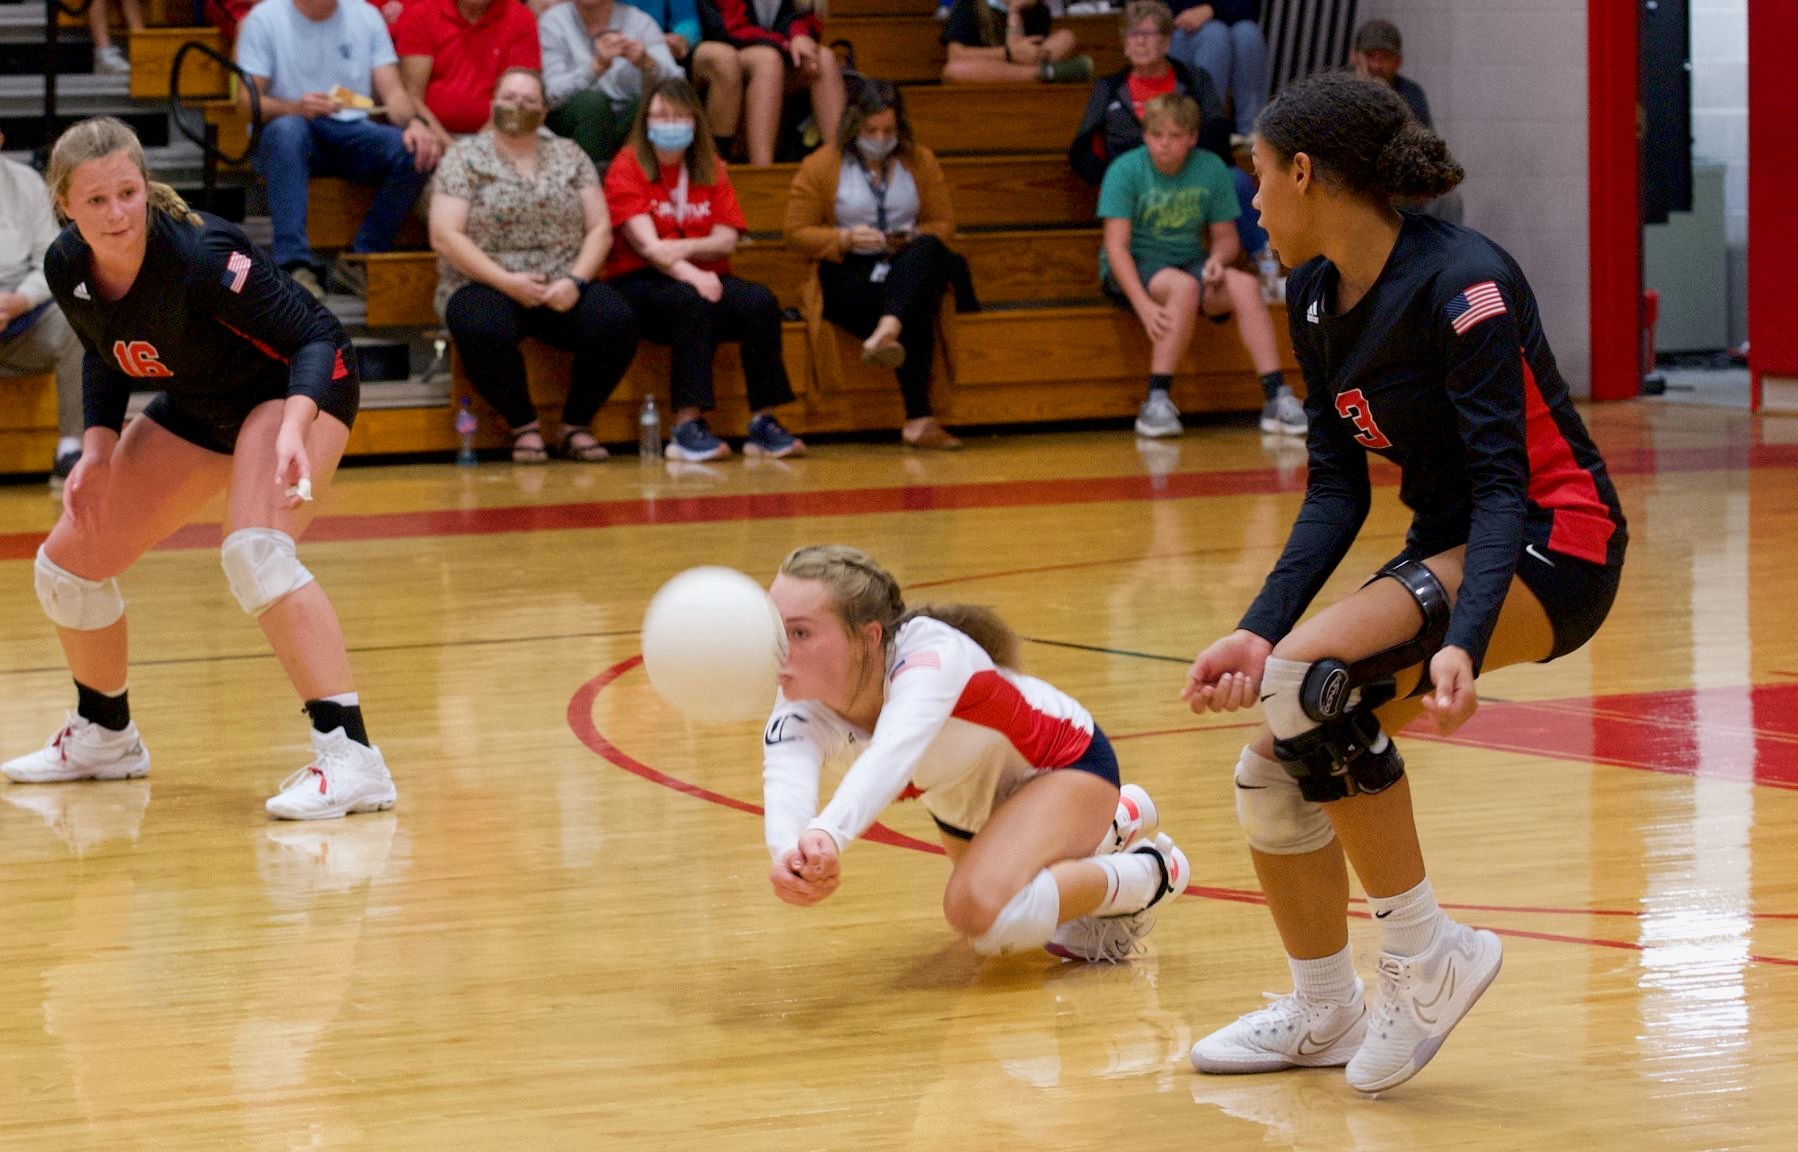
1140	34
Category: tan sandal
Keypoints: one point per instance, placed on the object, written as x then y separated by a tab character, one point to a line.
884	355
933	437
592	452
529	453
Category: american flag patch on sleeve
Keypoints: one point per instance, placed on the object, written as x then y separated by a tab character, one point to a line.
1480	302
918	660
237	270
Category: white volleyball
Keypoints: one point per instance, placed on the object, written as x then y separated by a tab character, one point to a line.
712	645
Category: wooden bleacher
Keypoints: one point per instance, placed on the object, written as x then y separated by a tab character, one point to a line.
1047	348
153	55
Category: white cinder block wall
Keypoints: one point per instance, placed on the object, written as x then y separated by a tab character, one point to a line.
1720	130
1507	86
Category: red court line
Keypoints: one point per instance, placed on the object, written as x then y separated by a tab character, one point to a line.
580	722
870	501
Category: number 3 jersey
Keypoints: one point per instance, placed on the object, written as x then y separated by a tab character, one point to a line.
209	320
1442	368
956	730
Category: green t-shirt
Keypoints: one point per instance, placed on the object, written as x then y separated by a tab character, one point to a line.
1168	215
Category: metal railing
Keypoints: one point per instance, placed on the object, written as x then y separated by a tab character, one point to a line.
212	155
52	39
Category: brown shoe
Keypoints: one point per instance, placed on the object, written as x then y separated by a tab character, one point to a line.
933	436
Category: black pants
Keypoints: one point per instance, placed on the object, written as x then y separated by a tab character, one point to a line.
912	291
487	326
672	313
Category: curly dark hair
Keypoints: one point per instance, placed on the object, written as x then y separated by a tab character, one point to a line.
1361	137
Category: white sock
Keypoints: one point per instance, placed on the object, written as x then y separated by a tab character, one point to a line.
1330	979
1027	920
345	699
67	445
1134	880
1409	921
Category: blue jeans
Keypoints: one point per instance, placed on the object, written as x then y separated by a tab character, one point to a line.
1235	56
1248	225
294	150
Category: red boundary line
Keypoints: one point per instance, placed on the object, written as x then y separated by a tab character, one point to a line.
580	722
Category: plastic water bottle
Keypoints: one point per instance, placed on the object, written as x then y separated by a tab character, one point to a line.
1269	266
466	427
649	430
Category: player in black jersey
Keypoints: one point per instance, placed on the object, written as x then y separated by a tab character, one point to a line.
259	392
1420	342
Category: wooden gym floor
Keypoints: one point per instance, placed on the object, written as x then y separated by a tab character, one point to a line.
563	936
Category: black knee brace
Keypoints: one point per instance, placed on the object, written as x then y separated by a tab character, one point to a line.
1325	694
1336	759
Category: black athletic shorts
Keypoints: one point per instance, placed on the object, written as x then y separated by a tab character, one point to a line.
1098	759
215	428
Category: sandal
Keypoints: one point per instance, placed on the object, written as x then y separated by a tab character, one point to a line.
523	453
933	437
591	452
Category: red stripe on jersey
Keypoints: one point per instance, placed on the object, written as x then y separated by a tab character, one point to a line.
1582	522
992	701
260	346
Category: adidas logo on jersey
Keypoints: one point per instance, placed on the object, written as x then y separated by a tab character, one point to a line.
81	292
1311	312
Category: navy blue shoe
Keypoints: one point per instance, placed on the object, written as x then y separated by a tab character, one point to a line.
693	440
767	437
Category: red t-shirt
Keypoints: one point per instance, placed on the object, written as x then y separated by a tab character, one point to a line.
1142	91
630	192
466	59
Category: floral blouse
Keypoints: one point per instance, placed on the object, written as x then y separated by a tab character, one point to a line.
524	225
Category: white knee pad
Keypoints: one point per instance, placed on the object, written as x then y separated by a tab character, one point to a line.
74	602
1277	820
1281	681
1027	920
262	567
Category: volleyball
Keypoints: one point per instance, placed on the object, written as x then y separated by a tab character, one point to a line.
712	645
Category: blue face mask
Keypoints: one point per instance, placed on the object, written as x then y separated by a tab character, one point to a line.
876	148
665	137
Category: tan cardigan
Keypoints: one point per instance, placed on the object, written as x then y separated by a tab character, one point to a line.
812	231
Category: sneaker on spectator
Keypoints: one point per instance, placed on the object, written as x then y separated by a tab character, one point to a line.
693	440
66	459
767	437
1284	415
110	61
351	276
307	279
1158	417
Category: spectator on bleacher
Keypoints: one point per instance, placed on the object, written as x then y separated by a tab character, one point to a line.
680	221
778	51
315	63
452	53
107	57
521	230
599	57
1377	53
1169	210
1009	42
872	212
34	336
1112	124
1223	39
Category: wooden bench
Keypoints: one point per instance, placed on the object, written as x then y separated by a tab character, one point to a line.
987	191
27	423
909	49
988	118
1008	267
335	213
153	54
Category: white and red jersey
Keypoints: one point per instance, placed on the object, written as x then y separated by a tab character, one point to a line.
956	730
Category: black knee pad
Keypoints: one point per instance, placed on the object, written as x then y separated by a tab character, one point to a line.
1337	760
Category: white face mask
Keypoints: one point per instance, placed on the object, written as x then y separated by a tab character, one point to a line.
876	148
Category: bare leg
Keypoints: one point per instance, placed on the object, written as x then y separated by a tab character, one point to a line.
886	331
158	482
1171	287
717	73
988	70
1241	294
1052	822
1059	45
765	82
302	628
828	96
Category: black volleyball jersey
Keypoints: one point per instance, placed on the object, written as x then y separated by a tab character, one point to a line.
209	320
1444	369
